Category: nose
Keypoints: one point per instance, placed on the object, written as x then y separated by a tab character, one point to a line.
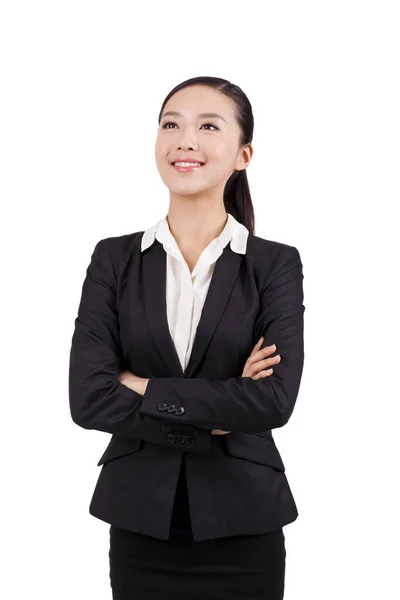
187	141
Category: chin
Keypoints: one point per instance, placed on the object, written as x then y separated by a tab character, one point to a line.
184	189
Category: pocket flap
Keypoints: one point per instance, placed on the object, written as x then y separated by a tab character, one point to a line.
119	446
254	447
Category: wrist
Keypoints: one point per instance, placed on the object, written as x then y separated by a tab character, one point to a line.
143	386
136	384
139	385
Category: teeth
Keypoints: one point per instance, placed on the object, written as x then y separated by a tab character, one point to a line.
187	164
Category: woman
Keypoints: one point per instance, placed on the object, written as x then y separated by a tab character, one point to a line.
164	358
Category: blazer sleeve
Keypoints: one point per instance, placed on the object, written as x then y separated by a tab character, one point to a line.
97	399
242	403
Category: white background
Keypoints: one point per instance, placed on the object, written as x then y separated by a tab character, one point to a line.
82	84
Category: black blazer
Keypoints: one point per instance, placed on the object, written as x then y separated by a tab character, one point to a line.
236	482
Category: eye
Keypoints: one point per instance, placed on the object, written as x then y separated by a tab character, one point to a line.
210	124
165	126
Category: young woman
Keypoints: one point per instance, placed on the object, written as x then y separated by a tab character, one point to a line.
188	349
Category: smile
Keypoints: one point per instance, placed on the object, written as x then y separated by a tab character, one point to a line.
184	167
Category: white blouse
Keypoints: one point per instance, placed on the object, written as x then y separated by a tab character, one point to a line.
185	291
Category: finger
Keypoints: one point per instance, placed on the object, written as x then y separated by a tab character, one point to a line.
258	345
262	374
268	362
258	360
255	357
261	354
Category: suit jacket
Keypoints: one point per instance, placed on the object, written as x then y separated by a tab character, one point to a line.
236	482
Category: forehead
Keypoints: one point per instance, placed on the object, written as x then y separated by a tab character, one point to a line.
200	100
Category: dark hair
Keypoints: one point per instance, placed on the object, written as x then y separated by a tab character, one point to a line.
237	198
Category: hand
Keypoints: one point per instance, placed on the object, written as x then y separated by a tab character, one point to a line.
133	382
255	368
256	364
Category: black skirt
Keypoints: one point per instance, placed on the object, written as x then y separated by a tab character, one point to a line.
246	567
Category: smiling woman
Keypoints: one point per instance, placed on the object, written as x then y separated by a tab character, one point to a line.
203	122
171	355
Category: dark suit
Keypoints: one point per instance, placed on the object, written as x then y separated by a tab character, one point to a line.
236	482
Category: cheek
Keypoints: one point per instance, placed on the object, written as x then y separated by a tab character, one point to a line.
161	155
222	152
159	147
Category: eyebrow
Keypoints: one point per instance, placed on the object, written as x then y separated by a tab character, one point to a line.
210	115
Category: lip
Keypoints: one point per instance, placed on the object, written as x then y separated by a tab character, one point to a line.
186	159
187	169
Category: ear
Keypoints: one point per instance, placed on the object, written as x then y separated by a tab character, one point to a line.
245	157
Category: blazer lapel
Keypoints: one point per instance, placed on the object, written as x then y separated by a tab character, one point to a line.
154	290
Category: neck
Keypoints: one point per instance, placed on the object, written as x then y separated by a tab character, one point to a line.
195	225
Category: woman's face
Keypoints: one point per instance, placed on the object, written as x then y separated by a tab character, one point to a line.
209	139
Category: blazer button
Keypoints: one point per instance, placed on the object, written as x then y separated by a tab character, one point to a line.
189	439
171	408
171	437
181	439
180	410
162	407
